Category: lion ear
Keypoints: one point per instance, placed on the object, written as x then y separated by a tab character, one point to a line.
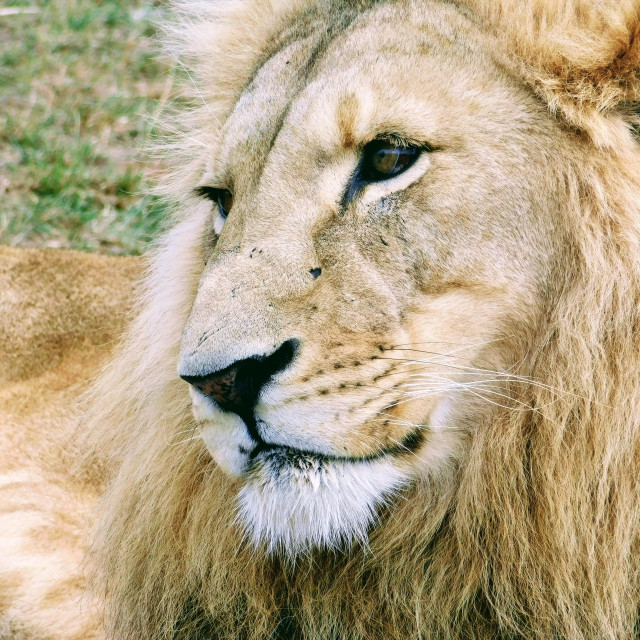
582	57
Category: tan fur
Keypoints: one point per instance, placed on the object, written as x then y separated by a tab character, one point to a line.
514	255
60	313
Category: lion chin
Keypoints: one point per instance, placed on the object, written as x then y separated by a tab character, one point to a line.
295	500
291	500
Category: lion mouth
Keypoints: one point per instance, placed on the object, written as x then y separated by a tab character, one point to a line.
293	455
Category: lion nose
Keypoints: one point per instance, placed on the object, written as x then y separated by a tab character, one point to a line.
237	387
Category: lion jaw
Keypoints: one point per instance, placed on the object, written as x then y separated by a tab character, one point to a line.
291	501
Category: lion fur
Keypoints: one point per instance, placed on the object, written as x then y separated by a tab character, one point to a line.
538	535
507	552
61	314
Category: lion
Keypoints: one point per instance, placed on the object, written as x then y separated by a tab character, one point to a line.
382	379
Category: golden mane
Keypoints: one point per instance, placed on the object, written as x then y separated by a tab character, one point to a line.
539	536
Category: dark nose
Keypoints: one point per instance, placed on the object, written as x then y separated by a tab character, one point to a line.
237	387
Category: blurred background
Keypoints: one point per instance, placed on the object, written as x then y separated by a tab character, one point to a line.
81	88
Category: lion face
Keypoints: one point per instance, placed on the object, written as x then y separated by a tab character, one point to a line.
377	243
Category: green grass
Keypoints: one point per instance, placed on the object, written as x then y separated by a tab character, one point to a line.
79	86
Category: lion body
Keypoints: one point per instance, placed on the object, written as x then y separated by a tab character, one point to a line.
61	313
451	449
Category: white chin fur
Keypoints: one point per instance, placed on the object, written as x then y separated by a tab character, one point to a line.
294	501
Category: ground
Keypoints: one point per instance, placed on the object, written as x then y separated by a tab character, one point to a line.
81	88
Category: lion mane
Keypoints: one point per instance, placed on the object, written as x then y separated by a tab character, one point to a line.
537	535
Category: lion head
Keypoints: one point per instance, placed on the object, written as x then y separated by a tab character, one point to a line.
402	286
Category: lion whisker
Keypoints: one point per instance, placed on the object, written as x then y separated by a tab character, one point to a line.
171	443
508	377
448	354
195	86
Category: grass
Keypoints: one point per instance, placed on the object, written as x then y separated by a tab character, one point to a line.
78	82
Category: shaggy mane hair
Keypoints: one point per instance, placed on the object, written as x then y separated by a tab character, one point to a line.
538	536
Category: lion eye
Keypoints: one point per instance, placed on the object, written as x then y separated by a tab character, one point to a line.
225	202
383	159
222	197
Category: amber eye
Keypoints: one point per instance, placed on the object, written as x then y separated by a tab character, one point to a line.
383	159
222	197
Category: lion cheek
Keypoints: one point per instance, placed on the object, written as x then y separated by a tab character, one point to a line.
230	457
224	435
